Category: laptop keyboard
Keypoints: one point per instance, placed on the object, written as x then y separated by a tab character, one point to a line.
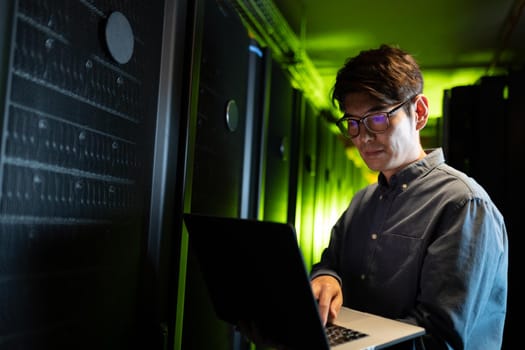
339	335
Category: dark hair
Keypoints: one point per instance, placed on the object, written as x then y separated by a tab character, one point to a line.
387	73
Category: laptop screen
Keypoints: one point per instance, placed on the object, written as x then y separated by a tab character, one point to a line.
255	272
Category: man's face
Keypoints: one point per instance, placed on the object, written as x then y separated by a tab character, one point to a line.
392	149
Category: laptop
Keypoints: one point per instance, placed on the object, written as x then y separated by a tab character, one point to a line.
254	271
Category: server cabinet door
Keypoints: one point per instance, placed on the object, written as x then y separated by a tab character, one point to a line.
77	135
305	216
219	123
279	142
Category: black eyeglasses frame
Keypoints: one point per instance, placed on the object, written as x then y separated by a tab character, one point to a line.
363	119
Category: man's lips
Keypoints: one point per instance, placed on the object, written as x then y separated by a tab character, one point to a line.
372	152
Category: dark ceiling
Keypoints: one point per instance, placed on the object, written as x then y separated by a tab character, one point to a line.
455	41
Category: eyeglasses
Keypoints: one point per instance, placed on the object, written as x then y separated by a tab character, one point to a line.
376	122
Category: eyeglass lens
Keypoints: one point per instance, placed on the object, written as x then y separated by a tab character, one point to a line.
375	123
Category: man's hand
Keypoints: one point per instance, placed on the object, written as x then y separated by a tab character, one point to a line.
329	295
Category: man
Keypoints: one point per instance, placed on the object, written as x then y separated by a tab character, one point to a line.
425	244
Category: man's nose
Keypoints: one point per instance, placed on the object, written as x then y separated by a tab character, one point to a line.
364	133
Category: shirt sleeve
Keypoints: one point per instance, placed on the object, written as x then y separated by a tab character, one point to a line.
330	262
464	277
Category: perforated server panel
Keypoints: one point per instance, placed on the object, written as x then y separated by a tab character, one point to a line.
79	93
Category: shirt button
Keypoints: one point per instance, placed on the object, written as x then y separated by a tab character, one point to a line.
380	196
363	276
374	236
404	186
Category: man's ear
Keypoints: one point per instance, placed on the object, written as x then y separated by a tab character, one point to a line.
421	111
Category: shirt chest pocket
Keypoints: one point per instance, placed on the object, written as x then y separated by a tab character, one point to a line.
397	258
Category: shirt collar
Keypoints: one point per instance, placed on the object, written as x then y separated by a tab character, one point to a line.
414	170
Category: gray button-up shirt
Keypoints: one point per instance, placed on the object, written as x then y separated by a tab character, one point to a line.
429	248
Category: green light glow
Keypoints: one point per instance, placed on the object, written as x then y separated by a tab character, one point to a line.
181	290
323	43
437	81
